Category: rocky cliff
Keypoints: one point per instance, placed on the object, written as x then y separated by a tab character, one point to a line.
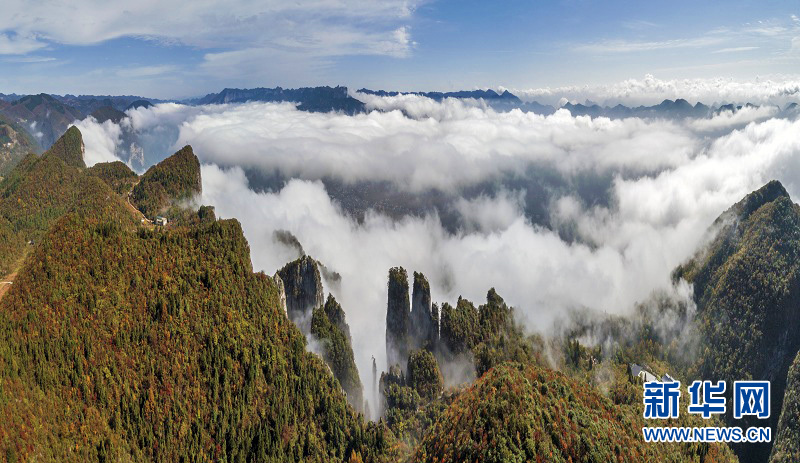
302	283
424	315
398	317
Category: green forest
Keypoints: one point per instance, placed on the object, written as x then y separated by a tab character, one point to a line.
121	342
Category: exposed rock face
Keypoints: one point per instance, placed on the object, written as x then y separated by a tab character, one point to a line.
322	322
409	326
787	439
747	290
281	292
398	321
425	327
374	374
303	288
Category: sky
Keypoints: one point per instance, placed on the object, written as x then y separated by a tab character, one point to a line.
162	49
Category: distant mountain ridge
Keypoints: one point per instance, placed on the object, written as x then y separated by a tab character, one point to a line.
47	116
506	101
15	144
439	96
43	116
339	99
87	104
312	99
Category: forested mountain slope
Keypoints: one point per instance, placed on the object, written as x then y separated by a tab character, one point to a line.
15	144
124	343
120	341
38	191
747	289
172	180
528	413
786	447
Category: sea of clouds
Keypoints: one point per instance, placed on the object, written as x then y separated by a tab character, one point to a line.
663	183
650	90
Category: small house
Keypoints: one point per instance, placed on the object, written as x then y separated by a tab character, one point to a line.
161	221
639	371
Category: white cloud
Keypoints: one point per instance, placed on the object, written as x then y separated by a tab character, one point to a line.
100	140
14	44
630	46
769	31
420	107
655	222
488	214
445	146
639	24
735	49
668	182
292	58
146	71
29	59
267	32
728	119
652	90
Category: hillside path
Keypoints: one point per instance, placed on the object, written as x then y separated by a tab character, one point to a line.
6	283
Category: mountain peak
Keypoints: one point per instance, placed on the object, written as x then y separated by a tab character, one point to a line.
748	276
139	104
174	179
302	281
69	148
764	195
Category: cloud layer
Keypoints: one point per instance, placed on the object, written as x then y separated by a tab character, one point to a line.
650	90
444	146
663	184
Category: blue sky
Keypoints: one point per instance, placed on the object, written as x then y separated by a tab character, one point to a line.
159	49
